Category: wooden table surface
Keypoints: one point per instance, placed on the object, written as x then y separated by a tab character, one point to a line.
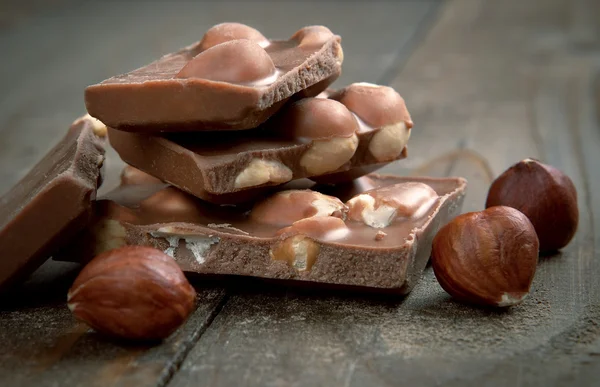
487	82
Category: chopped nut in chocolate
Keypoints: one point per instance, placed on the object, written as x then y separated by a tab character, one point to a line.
299	234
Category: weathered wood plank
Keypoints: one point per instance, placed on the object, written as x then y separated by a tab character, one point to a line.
45	346
475	85
83	43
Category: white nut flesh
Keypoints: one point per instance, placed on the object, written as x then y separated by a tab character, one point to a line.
98	126
108	234
260	172
299	251
510	300
380	207
389	141
327	155
327	205
379	217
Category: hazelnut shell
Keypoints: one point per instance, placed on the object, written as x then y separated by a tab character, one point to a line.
134	292
545	195
486	258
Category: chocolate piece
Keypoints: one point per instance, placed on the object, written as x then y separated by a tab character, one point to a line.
219	82
275	243
382	114
52	202
311	137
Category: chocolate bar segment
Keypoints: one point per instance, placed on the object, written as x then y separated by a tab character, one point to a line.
313	137
232	79
52	203
375	232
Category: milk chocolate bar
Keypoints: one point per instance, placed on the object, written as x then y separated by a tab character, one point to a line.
374	232
234	78
308	138
52	203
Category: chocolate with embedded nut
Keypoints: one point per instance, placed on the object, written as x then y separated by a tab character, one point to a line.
234	78
310	138
52	203
303	234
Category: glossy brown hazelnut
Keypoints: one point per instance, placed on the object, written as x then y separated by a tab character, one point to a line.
486	258
546	195
133	292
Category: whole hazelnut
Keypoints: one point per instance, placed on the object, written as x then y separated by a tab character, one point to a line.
546	195
487	257
132	292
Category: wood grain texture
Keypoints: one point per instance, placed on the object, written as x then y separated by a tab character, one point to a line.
493	83
56	52
44	345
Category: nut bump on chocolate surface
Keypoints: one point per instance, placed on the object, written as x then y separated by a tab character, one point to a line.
382	108
191	90
312	35
226	32
237	61
331	128
287	207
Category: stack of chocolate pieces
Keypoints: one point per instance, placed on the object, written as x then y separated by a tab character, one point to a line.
243	162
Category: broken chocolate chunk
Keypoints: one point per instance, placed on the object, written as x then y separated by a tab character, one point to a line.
52	203
232	79
321	247
318	138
